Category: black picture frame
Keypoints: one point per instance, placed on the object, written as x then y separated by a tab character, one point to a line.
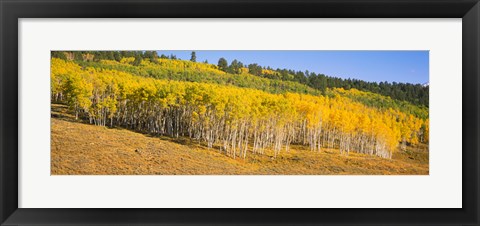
11	11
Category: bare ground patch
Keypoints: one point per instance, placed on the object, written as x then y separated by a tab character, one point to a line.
82	149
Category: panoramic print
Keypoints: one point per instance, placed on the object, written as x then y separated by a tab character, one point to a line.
249	112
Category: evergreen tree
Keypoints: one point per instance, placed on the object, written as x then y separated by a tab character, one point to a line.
109	55
234	67
193	57
137	61
255	69
78	55
151	55
117	55
59	55
222	64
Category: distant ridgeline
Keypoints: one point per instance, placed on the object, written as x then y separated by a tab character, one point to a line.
236	108
416	94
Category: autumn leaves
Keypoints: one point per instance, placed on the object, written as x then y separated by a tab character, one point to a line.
236	121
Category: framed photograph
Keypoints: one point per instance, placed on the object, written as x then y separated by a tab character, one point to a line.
239	112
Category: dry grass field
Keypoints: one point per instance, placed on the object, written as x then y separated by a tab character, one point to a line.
81	149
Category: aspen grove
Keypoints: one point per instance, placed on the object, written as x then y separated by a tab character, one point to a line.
235	120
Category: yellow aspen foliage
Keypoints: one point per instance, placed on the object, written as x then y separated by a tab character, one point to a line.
235	120
127	60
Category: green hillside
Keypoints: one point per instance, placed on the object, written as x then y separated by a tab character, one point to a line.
183	70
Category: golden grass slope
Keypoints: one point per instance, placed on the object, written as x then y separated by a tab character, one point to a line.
82	149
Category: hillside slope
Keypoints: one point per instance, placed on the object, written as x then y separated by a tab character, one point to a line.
182	70
231	118
75	151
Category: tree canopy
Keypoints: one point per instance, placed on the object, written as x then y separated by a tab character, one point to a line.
235	120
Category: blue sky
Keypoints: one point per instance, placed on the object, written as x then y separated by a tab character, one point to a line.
373	66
